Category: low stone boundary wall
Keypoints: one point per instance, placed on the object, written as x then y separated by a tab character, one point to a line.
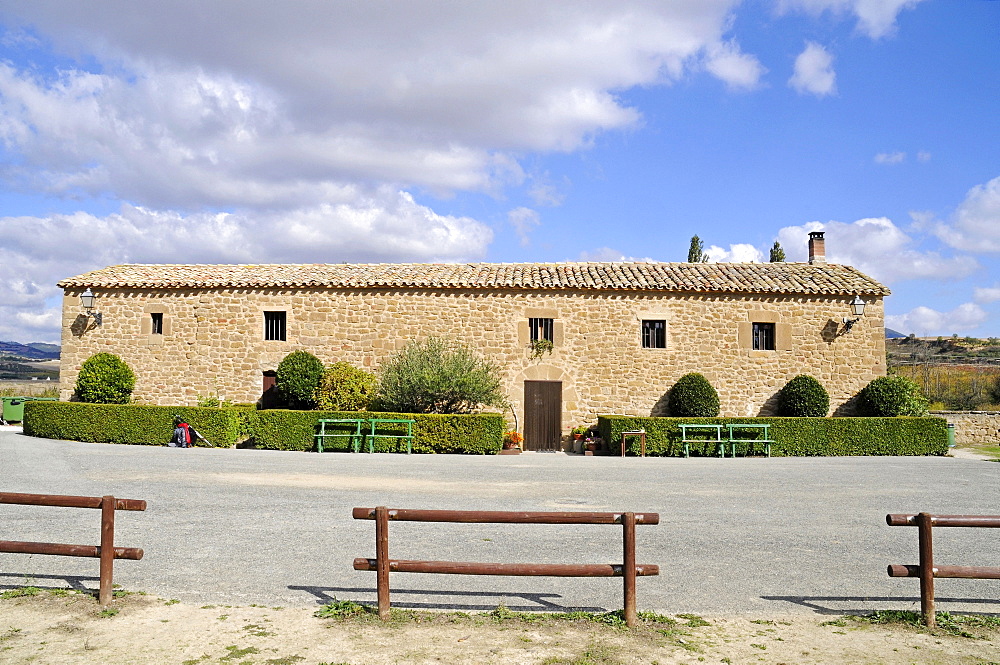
973	426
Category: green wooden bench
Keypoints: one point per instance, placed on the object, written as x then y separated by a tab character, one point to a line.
687	439
375	423
736	439
344	425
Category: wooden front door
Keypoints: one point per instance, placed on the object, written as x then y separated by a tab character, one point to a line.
542	415
269	396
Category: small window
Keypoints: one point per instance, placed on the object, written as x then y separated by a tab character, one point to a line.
274	326
654	334
763	336
156	323
541	329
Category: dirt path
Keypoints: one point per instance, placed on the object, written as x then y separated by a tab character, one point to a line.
62	629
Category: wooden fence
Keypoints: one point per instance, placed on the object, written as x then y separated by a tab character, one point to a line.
106	551
383	565
926	570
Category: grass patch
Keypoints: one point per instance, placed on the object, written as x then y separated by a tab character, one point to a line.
953	624
342	609
21	592
235	653
990	450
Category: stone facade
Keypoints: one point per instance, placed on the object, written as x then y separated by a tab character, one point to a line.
212	340
973	426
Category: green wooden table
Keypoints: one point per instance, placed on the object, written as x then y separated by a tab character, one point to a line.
736	439
687	440
344	424
375	423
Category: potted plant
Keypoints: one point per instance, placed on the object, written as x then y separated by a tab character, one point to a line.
512	440
578	432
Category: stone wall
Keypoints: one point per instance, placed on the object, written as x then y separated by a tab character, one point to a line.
973	426
212	341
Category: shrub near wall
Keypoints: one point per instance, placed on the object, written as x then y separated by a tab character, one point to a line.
481	434
130	423
795	436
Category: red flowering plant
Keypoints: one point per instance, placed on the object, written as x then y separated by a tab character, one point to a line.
512	439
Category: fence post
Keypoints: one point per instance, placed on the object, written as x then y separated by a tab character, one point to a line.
628	569
926	547
382	560
107	549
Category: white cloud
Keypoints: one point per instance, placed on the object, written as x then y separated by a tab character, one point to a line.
272	103
814	72
975	224
738	70
876	18
923	156
890	158
602	254
986	294
738	253
925	321
878	248
374	225
524	221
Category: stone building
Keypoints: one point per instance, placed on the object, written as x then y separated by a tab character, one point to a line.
621	333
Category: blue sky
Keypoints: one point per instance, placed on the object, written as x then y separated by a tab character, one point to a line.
259	132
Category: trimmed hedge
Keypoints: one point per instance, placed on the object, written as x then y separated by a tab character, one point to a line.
478	434
131	423
795	436
275	429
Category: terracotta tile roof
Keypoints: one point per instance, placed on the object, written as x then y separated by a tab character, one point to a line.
801	278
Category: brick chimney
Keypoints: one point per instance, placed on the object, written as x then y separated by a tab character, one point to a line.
817	247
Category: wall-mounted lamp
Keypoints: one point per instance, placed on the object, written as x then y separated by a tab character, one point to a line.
858	309
87	299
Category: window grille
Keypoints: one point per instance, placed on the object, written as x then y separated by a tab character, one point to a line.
654	334
274	326
541	329
156	323
763	336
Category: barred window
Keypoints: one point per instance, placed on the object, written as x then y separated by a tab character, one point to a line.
541	329
156	323
654	334
274	326
763	336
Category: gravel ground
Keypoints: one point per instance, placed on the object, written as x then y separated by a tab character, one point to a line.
736	536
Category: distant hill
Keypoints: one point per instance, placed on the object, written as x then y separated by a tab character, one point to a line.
34	351
892	334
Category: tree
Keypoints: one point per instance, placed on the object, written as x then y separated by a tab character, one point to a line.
297	377
344	387
890	396
696	253
803	397
693	396
105	378
777	254
439	376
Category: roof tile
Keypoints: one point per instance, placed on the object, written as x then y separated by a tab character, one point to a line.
801	278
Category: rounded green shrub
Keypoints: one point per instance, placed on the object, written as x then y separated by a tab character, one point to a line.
693	396
803	397
438	375
105	378
892	396
297	377
344	387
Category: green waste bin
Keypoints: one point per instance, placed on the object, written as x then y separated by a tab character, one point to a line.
13	408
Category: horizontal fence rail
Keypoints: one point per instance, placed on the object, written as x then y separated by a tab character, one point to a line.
926	570
106	551
383	565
